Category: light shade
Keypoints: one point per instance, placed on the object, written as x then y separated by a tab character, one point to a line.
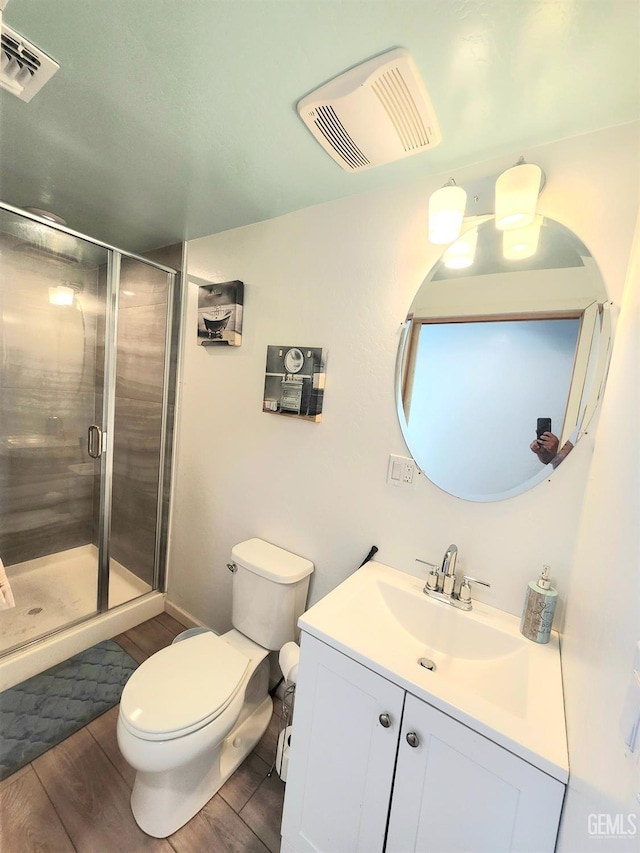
517	192
461	254
446	211
61	295
521	243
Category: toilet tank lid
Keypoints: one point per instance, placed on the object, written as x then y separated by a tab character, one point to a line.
271	562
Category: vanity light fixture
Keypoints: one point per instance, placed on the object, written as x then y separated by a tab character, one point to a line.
517	192
520	243
512	196
446	212
461	254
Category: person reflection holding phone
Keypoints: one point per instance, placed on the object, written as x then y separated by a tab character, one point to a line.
546	449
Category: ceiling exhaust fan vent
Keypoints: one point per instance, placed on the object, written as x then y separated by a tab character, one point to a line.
24	69
328	123
375	113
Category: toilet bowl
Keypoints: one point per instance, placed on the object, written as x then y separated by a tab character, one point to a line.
191	713
189	716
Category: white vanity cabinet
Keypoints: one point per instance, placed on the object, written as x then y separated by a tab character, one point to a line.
341	768
373	768
456	790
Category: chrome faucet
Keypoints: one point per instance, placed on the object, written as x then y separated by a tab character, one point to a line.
441	581
448	569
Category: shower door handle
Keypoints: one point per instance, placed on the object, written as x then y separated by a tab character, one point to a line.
94	441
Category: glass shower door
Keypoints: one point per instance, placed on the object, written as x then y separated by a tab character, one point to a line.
139	429
51	309
85	426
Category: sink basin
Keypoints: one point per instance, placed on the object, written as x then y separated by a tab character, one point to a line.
447	632
475	665
482	658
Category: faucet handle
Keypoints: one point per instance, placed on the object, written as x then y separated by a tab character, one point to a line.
432	577
425	563
475	580
465	587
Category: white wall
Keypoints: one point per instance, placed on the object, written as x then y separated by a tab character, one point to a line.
603	610
342	276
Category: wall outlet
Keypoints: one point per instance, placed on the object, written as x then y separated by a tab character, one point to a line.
401	470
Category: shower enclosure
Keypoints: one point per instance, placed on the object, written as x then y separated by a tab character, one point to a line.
86	387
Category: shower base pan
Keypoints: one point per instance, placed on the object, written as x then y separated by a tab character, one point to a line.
60	589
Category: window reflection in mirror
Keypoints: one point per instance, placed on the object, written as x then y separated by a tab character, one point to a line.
479	439
489	350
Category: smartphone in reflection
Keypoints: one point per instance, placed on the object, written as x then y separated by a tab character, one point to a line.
543	425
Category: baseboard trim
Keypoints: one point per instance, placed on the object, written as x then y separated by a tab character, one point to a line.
182	616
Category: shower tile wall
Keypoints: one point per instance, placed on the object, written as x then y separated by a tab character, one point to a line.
46	403
142	320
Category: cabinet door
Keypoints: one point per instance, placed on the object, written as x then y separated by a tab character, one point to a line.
458	792
342	755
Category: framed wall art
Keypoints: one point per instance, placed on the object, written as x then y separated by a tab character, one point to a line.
220	309
294	382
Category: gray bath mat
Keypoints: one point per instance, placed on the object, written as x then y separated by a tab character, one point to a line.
44	710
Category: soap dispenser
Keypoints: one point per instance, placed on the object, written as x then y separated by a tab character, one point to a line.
539	608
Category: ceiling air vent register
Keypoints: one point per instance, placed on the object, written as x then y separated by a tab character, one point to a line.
24	69
375	113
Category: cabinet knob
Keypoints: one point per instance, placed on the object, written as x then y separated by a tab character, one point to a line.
413	739
385	720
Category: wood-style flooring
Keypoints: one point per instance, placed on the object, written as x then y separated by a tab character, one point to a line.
75	797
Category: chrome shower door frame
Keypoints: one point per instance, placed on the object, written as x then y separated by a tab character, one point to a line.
108	406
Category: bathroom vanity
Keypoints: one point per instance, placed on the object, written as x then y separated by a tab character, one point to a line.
422	728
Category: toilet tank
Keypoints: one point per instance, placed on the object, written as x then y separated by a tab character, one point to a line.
269	592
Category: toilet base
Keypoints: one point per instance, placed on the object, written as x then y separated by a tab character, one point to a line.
163	802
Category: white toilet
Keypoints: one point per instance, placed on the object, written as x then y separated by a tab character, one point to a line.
191	713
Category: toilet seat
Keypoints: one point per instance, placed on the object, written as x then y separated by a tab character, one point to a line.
182	688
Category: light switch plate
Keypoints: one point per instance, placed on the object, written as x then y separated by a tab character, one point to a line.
401	471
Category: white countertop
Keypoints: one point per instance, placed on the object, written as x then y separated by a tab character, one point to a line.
488	676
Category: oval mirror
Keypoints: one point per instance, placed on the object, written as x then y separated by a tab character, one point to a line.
502	362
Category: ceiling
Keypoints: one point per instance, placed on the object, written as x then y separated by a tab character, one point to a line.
173	120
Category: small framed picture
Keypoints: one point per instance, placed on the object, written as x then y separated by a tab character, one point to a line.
220	313
294	382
